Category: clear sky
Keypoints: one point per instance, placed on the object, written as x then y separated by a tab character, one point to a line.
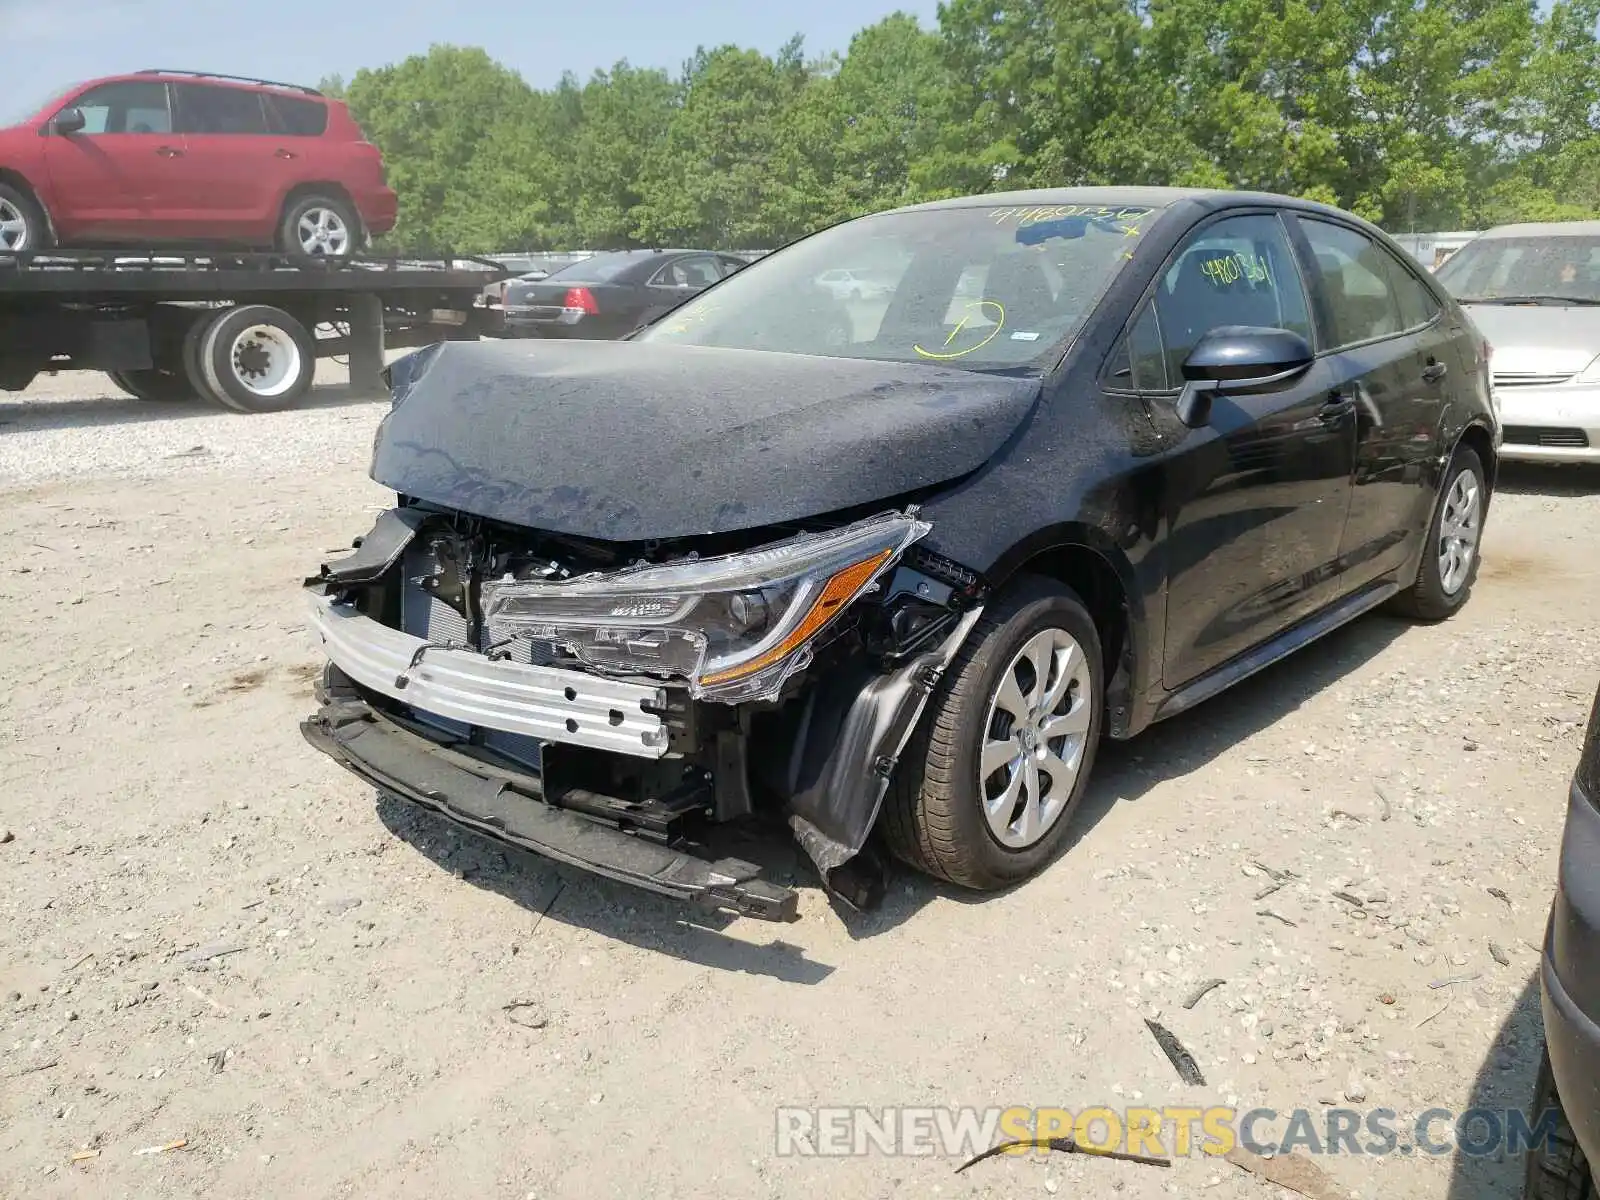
45	46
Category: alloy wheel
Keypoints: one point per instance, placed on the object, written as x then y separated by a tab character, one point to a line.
323	231
1459	529
1034	738
13	227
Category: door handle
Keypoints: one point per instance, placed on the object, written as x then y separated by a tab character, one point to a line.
169	152
282	153
1336	406
1434	371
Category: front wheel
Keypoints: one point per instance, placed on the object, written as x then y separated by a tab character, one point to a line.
1450	555
1557	1169
988	786
22	222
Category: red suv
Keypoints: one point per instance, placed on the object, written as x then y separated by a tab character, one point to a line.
181	157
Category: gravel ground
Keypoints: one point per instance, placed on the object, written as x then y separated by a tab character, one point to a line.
348	1035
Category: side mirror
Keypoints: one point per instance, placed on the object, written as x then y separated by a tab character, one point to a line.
1238	358
70	121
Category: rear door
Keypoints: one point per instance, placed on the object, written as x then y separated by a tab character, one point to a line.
107	180
1392	349
236	165
1257	499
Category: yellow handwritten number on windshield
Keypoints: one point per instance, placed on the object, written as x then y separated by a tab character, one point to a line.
978	306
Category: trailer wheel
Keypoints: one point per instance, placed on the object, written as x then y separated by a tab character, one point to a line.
155	385
256	358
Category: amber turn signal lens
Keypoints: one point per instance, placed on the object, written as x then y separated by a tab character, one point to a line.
840	590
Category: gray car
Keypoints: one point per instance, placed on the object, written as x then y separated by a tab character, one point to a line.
1533	291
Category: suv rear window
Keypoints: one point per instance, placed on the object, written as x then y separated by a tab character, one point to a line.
296	116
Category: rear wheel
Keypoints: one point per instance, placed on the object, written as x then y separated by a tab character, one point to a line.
22	222
1450	555
256	358
319	225
156	385
988	786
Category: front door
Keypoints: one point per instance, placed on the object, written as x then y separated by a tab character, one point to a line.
1257	498
1393	348
106	178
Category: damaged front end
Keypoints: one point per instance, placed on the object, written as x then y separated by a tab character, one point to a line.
605	703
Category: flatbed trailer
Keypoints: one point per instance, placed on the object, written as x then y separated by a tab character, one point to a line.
241	330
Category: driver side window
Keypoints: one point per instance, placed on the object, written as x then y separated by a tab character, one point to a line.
1237	271
126	107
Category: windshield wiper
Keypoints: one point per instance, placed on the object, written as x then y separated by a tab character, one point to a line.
1543	298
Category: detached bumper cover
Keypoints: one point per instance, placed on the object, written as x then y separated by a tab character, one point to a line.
1570	974
510	809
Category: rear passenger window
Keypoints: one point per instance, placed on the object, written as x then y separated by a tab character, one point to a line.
1417	304
1354	278
297	117
203	108
1237	271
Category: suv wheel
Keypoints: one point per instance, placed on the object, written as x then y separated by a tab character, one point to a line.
1450	555
1000	761
1556	1170
22	222
321	226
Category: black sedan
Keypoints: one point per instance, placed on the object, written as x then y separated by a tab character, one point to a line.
1569	1082
899	563
610	295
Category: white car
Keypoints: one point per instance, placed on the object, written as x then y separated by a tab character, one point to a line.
1533	291
850	285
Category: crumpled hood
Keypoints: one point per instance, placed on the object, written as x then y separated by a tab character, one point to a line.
1539	339
634	441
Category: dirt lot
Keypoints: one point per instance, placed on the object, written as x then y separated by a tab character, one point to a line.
352	1039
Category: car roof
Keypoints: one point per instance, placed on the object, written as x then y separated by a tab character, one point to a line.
1545	229
1125	197
158	75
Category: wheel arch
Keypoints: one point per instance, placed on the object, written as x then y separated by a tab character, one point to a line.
323	187
1481	440
1085	559
14	177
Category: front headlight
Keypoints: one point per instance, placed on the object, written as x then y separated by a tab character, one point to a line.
733	627
1591	373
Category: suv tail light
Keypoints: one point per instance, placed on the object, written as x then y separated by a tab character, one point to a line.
582	299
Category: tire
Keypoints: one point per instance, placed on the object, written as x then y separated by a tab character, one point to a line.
22	222
189	355
1434	596
934	817
155	385
319	225
1557	1170
256	358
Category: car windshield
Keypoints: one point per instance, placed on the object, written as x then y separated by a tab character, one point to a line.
984	287
599	269
1529	269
